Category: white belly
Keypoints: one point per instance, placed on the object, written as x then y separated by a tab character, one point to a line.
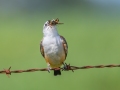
53	49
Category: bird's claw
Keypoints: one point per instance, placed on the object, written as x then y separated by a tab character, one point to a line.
66	67
49	70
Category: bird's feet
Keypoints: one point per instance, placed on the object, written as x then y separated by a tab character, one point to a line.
48	67
66	67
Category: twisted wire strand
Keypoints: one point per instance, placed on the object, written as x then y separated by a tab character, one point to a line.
68	67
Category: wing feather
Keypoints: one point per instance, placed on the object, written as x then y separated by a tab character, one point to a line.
65	45
42	49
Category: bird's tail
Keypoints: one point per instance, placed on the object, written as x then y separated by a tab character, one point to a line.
57	72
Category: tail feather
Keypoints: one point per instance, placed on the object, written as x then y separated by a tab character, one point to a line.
57	72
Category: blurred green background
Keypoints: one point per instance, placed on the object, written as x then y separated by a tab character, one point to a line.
91	28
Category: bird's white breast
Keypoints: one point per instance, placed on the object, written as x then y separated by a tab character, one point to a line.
53	48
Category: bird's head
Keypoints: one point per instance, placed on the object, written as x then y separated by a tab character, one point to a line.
50	26
51	23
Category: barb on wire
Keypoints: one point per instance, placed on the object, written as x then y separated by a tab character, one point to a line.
68	67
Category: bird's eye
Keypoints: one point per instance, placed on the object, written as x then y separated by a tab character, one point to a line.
45	24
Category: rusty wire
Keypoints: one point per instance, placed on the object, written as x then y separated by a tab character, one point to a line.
68	67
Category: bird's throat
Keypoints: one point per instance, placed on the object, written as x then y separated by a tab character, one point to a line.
50	32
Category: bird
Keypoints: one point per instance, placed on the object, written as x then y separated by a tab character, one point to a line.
53	47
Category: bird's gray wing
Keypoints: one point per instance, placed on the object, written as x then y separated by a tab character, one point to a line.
65	45
41	48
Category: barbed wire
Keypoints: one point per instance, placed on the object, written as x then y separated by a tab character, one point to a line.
66	68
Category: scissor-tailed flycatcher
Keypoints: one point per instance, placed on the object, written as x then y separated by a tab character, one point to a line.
53	46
